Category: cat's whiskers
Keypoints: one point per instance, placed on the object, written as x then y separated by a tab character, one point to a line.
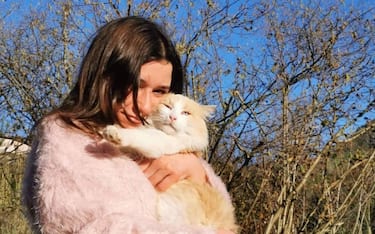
172	126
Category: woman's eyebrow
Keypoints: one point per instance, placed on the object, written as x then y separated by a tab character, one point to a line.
144	82
165	87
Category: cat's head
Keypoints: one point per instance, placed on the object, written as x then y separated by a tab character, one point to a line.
178	114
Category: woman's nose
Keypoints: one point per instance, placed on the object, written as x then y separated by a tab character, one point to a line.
144	103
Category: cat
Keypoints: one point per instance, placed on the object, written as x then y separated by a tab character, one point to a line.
178	124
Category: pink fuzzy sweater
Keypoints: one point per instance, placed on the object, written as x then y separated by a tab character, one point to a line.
75	184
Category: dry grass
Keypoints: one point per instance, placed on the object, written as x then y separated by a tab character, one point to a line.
11	217
357	214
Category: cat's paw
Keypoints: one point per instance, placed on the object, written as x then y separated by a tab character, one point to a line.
110	133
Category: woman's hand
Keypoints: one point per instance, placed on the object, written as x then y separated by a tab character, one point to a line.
224	232
167	170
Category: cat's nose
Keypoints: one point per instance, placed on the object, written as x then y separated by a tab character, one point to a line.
172	117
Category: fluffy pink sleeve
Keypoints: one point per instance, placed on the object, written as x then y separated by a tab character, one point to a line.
128	223
215	180
72	184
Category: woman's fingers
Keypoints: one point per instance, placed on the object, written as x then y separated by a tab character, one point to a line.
167	170
166	182
144	164
158	176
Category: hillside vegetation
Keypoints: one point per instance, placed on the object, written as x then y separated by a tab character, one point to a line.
349	169
291	82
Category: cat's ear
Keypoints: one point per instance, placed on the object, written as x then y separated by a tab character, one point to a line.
208	110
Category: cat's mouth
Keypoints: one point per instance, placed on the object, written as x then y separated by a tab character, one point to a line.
170	128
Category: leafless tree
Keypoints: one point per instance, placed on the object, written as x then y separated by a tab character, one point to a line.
290	80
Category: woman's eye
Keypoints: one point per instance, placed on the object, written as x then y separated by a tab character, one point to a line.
185	113
160	91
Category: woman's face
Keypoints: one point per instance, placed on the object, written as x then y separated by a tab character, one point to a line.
155	80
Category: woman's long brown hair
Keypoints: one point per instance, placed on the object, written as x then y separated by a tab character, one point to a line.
111	69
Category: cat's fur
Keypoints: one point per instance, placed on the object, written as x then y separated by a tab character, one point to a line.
178	125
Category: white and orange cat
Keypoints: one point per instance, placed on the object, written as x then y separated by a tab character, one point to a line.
178	125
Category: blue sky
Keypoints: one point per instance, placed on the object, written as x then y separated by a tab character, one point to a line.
20	7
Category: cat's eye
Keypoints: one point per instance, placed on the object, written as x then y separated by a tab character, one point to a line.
168	106
185	113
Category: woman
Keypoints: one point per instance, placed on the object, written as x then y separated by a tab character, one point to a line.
74	182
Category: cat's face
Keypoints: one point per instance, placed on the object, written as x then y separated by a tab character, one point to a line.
178	114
